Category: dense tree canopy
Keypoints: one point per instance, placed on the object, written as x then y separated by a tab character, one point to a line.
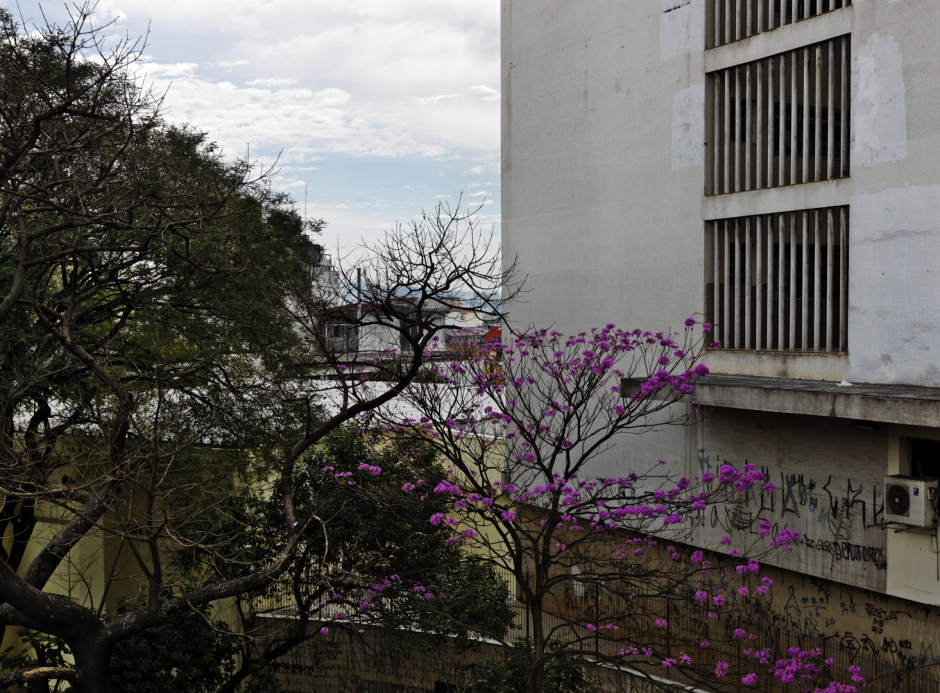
372	533
162	349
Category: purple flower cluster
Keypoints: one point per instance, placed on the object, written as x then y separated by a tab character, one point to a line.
786	538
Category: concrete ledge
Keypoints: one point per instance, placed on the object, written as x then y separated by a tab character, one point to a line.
801	365
899	404
782	39
788	198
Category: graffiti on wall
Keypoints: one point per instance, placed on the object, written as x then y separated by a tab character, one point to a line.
834	515
857	621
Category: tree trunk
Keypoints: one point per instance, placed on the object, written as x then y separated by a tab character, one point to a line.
538	642
93	662
24	522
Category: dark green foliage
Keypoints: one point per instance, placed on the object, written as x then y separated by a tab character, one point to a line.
183	655
37	650
560	673
374	531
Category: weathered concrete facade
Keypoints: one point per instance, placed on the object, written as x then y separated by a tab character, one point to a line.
607	124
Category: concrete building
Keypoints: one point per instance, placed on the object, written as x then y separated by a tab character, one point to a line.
772	167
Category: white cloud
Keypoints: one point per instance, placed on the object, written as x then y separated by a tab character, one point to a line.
403	63
486	93
229	64
282	183
482	193
272	82
332	79
431	100
300	121
157	71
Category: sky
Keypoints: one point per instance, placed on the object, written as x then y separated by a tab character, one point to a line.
375	110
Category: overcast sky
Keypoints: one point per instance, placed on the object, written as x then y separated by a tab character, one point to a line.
380	108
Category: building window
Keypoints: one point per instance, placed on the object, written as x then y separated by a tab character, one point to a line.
923	458
733	20
781	120
779	281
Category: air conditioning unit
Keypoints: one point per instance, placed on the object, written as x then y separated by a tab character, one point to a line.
908	500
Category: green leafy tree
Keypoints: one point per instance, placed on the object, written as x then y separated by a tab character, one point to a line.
373	533
561	672
163	348
188	653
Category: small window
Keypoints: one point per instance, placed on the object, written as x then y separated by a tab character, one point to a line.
924	458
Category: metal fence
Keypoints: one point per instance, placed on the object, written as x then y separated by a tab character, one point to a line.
688	627
365	658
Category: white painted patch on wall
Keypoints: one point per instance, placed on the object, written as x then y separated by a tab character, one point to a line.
894	282
879	115
681	28
688	127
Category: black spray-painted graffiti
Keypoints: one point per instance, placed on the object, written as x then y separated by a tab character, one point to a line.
841	513
821	614
847	551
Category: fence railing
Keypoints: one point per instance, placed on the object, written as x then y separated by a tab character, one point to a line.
690	626
370	662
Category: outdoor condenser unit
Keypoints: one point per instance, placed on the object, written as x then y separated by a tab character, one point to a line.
908	500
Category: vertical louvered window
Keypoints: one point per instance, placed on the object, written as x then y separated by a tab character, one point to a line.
781	120
733	20
779	281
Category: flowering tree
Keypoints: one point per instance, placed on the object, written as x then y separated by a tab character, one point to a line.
602	564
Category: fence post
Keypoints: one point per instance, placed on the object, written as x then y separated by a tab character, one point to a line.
597	619
669	628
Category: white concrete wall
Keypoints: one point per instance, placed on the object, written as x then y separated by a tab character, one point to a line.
829	478
602	160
